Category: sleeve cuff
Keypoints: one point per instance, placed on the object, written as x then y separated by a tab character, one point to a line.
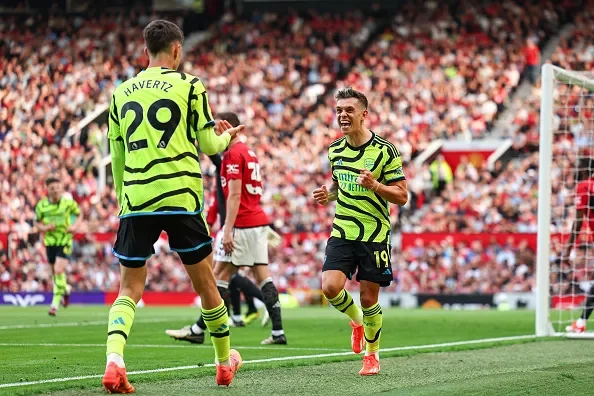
396	179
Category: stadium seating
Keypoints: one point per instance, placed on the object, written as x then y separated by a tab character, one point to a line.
430	73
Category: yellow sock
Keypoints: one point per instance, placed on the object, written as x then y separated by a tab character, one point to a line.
345	304
121	317
217	321
372	320
59	289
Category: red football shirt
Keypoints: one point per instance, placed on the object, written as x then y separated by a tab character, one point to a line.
584	195
240	163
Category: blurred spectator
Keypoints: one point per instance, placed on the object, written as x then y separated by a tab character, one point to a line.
441	174
531	60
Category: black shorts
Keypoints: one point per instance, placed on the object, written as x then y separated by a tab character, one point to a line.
188	236
57	251
370	260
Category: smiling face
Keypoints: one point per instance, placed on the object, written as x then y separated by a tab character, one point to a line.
54	191
350	114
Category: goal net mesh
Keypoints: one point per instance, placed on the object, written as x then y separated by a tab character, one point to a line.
573	144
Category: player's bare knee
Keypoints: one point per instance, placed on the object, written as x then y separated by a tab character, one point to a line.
331	289
369	297
332	283
60	265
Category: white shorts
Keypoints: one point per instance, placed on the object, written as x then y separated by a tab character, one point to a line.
251	247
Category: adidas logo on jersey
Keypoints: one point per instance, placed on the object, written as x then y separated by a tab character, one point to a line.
388	271
339	162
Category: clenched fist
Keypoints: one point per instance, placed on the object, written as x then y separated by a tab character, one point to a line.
321	195
367	180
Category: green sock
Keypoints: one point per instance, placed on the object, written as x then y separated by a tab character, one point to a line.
121	317
345	304
59	289
217	321
372	320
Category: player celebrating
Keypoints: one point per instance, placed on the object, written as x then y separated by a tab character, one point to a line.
56	217
584	223
154	121
366	175
244	238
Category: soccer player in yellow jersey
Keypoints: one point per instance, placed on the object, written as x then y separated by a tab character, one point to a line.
367	175
56	218
155	121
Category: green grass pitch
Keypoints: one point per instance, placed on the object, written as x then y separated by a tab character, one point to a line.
317	361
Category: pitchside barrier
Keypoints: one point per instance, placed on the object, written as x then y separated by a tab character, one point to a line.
301	297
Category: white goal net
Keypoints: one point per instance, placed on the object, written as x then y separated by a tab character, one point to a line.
565	262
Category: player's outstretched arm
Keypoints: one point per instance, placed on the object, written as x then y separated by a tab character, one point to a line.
211	143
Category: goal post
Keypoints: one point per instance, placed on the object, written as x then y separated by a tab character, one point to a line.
565	116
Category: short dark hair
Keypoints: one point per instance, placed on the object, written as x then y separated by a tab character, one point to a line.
349	92
230	117
51	180
160	34
585	168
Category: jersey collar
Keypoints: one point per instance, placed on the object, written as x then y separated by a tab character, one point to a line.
154	69
364	145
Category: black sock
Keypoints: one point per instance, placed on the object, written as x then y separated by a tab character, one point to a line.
235	301
200	323
249	289
589	307
250	304
270	295
223	288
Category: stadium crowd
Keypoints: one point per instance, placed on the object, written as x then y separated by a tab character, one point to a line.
505	199
424	79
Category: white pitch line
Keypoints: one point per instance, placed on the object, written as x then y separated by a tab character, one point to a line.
168	346
77	324
278	359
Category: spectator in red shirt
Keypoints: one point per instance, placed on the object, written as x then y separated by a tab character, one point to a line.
532	60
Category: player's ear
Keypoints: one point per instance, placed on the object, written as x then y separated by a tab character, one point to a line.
176	52
365	112
146	53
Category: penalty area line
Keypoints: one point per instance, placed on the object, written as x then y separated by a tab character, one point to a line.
279	359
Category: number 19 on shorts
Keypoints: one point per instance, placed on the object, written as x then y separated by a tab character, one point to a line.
382	257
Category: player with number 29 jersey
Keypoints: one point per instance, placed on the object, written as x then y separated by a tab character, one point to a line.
159	115
156	119
240	163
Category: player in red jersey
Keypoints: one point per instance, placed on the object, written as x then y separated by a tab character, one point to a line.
583	226
244	241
